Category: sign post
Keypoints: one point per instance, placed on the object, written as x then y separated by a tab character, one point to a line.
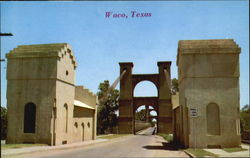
194	114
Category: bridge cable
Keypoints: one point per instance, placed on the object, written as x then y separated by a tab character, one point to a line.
112	87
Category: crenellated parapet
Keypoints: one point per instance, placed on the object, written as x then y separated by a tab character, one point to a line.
85	95
43	50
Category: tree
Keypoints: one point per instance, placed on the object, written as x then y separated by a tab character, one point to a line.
140	115
3	123
245	118
175	85
108	106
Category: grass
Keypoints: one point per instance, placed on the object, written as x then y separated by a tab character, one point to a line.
167	137
200	153
111	136
14	146
230	150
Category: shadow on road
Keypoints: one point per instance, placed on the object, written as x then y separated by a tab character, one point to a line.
164	146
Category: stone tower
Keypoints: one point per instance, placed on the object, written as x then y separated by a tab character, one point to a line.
128	103
40	92
208	73
126	99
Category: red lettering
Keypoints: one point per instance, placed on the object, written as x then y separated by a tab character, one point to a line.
108	14
133	13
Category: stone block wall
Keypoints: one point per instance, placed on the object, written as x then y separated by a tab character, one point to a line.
41	95
209	77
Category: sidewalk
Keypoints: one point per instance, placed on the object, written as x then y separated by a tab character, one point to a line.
8	152
223	153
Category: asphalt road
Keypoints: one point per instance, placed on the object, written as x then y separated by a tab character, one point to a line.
141	145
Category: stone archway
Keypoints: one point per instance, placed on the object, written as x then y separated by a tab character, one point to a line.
128	103
29	118
139	101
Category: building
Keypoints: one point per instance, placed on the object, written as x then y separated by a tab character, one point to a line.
44	105
208	115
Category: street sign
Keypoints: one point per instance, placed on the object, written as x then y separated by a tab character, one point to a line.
193	112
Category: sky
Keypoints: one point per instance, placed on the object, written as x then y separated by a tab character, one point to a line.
100	43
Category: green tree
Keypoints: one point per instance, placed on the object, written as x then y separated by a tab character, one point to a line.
175	85
108	106
245	118
140	115
3	123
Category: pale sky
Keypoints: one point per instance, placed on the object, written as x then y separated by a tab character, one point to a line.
100	43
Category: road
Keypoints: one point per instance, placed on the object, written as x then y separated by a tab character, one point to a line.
142	145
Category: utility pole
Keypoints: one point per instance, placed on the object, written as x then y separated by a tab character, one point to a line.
2	60
5	34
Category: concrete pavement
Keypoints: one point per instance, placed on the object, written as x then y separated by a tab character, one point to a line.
13	152
223	153
141	145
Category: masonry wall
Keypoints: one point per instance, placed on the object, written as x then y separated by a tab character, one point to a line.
210	77
164	102
65	93
85	117
30	80
65	106
84	95
84	125
44	76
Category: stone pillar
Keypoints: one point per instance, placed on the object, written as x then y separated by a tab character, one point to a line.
95	121
165	107
147	113
126	122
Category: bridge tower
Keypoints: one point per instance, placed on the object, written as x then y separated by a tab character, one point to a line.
164	100
128	103
126	100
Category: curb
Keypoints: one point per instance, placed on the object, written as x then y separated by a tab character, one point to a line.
100	136
55	148
62	147
189	154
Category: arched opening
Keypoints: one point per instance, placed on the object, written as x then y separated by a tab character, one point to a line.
153	113
76	127
82	131
151	107
140	113
66	117
213	119
145	89
140	119
144	118
30	118
154	119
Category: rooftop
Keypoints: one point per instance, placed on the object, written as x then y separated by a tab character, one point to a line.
211	46
211	43
42	50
